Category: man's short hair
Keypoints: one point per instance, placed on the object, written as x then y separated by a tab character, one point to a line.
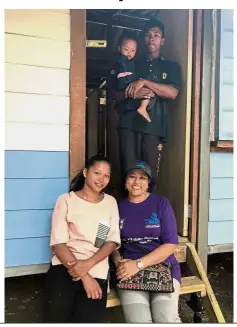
154	23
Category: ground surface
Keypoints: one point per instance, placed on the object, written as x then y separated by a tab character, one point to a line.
24	295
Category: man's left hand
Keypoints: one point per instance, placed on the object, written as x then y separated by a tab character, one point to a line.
127	269
132	88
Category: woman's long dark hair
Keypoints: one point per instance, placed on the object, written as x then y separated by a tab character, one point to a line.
78	181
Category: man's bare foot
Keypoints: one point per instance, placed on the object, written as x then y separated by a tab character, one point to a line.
142	111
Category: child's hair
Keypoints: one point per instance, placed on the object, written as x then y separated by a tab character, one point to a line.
126	36
152	24
79	180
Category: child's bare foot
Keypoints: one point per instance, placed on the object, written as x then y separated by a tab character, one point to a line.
142	111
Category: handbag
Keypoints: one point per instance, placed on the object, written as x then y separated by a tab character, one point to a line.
156	278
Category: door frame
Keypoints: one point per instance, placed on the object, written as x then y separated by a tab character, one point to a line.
200	146
77	127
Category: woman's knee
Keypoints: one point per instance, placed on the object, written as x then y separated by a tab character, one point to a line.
165	316
137	313
165	307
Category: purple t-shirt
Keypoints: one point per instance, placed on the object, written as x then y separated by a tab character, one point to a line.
149	224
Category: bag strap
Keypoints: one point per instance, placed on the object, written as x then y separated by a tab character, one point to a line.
145	251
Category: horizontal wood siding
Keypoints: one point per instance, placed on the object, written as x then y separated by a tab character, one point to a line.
36	80
35	108
220	232
27	223
36	164
220	226
38	137
37	104
46	24
27	251
226	100
22	194
42	52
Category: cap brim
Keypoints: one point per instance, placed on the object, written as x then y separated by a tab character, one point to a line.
138	168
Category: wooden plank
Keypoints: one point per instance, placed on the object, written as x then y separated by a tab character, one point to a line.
195	129
189	285
38	137
42	23
112	299
62	11
38	80
220	232
43	52
204	145
78	90
226	101
221	165
27	223
36	164
182	239
227	18
27	251
26	270
227	71
227	125
26	194
180	253
178	47
215	87
220	248
221	188
192	284
209	302
35	108
92	124
221	150
221	210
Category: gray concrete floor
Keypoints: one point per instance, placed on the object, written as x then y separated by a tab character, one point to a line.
24	295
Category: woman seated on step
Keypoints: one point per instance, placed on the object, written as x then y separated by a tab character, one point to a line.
85	231
147	225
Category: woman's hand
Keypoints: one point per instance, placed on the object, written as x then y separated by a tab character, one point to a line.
78	268
92	287
132	88
127	269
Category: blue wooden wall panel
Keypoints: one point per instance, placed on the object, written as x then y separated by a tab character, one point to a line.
36	164
221	210
221	164
27	223
27	251
221	188
22	194
220	232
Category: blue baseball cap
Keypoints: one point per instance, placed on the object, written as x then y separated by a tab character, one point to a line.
141	165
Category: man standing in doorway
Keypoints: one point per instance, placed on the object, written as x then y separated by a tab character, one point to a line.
140	139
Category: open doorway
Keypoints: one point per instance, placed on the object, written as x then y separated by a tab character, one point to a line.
105	27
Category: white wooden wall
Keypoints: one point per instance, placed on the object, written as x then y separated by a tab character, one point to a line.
37	62
37	66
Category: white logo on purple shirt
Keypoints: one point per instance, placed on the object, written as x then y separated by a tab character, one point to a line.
153	221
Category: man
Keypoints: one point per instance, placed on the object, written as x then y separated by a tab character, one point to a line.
139	139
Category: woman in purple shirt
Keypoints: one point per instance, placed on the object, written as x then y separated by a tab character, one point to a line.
148	220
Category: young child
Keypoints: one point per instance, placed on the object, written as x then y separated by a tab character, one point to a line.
125	74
